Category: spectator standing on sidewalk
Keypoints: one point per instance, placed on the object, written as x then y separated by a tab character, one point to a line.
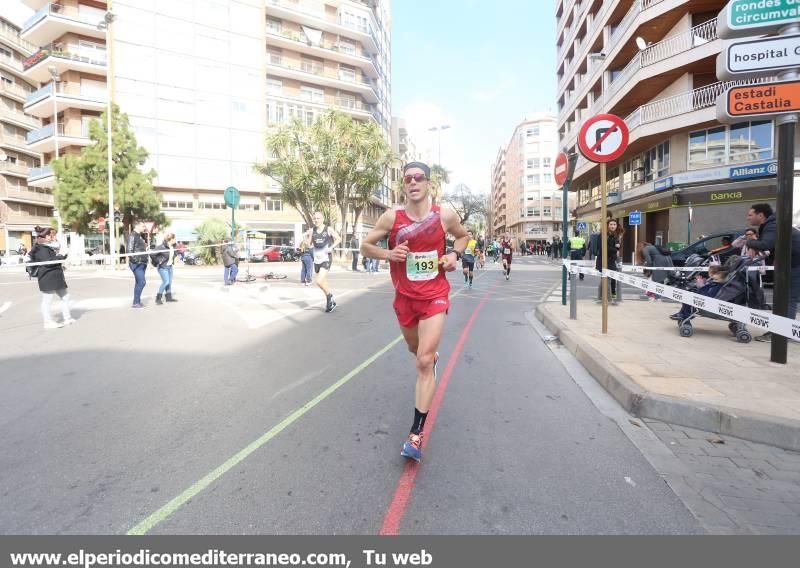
613	234
230	260
650	255
50	276
355	244
307	260
164	261
577	249
138	262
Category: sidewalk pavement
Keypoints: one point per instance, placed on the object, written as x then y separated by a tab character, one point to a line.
709	381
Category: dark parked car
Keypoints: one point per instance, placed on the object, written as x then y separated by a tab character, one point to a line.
712	244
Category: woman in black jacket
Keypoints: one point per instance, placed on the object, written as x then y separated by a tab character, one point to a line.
612	234
164	261
51	276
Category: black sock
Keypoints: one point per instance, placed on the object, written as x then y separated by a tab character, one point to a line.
470	278
508	270
419	421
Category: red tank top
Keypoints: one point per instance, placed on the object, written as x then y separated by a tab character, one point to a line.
425	236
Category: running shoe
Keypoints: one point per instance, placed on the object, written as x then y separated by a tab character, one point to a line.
412	449
677	317
331	305
507	276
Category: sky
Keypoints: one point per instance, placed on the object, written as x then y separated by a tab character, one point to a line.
476	66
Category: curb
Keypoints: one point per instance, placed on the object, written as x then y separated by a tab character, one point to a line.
755	427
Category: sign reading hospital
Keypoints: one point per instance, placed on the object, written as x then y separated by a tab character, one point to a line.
742	18
759	57
759	101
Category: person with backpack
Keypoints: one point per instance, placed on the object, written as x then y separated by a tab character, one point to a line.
50	276
164	262
138	263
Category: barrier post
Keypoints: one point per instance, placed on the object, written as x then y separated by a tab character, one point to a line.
573	296
604	247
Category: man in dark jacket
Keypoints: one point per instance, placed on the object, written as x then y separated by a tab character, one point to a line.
355	244
230	260
761	215
137	262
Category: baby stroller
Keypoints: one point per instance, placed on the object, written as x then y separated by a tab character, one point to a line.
739	288
685	279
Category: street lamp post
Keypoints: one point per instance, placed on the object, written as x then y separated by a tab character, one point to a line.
105	24
440	128
56	78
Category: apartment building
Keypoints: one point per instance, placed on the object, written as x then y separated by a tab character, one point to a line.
22	205
331	54
652	62
525	198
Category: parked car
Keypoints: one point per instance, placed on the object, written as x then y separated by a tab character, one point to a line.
269	254
290	253
712	244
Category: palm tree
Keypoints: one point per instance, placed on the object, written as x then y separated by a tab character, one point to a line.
439	177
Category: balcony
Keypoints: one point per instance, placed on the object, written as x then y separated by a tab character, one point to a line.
12	169
64	58
14	91
54	20
698	43
10	64
311	15
16	41
318	75
19	119
44	139
15	142
42	177
671	114
333	52
40	103
27	196
356	109
23	221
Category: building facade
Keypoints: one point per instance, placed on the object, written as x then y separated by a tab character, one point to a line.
202	82
525	198
23	205
652	62
331	54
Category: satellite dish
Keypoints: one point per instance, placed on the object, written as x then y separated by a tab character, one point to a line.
641	43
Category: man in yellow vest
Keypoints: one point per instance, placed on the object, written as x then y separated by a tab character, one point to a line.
577	248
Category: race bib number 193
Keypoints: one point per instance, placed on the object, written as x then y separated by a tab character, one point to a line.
422	265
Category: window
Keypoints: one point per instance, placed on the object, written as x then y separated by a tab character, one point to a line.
656	161
311	66
546	162
750	141
347	73
274	87
533	179
347	45
547	211
312	94
533	163
707	148
531	212
548	178
532	131
274	55
274	204
274	26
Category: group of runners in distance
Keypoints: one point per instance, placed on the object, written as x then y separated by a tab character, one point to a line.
417	263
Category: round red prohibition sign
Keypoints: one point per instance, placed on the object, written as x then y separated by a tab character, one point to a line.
561	169
603	138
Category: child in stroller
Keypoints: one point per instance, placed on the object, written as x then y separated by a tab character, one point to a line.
735	287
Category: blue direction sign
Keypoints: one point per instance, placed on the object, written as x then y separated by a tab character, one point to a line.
581	226
635	218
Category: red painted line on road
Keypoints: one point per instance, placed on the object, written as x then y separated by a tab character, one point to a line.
405	486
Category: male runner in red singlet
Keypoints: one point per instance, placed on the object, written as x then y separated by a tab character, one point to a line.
507	250
417	262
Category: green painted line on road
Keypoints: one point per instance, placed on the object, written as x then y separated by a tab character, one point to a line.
167	510
164	512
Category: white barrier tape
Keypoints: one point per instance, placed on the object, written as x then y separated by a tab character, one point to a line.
765	320
637	268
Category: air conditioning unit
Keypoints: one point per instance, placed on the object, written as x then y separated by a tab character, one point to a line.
638	176
637	164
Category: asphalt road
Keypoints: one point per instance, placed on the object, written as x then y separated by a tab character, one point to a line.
249	411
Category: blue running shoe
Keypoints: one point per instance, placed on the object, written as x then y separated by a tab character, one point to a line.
412	449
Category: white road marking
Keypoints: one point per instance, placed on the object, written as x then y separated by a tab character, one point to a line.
5	307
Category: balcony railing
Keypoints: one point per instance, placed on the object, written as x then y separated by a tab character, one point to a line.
40	172
15	38
20	117
12	139
63	52
673	45
44	132
300	38
319	71
9	167
38	197
63	11
315	12
15	64
350	104
12	89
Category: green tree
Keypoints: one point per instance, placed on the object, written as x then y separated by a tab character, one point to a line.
466	204
81	191
334	164
440	176
210	232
